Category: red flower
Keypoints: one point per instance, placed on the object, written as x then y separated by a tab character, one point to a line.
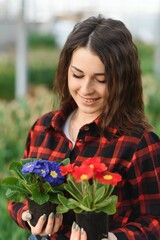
109	178
95	164
66	169
82	173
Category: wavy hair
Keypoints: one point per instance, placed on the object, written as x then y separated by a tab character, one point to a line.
112	42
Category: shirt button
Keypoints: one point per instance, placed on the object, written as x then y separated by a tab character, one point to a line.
86	128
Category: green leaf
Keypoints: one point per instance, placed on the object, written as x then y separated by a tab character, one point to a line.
99	194
107	204
79	205
75	189
39	197
62	209
15	169
87	202
14	196
110	209
109	190
63	200
65	161
46	187
53	198
13	184
78	210
66	202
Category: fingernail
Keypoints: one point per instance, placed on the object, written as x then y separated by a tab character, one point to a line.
44	216
82	231
51	215
28	216
76	227
57	215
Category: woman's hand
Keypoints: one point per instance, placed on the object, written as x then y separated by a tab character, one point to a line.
78	233
54	222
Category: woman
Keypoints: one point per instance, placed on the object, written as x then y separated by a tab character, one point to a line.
101	114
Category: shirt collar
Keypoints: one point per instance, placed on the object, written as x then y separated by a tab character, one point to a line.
60	117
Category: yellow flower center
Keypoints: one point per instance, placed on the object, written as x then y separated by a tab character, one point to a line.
91	166
53	174
43	171
108	177
84	176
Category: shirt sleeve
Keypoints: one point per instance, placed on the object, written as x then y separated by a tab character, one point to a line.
15	210
144	178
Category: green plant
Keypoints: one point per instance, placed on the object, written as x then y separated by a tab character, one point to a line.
90	187
36	179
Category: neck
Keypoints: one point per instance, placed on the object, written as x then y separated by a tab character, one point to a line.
83	118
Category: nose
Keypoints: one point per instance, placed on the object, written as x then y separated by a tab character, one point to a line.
87	87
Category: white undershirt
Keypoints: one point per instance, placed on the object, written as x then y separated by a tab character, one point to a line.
66	128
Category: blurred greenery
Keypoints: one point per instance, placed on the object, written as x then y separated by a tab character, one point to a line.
17	116
146	54
37	40
42	63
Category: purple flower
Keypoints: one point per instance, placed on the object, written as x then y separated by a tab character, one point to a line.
54	176
49	171
40	167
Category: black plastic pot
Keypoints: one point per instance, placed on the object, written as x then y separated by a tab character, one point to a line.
94	223
37	210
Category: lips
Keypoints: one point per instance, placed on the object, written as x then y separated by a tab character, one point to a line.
88	100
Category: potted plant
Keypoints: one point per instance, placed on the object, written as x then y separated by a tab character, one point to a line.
39	181
90	186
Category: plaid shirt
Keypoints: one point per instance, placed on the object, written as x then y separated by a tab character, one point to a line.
136	157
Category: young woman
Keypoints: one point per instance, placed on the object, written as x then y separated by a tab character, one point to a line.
101	114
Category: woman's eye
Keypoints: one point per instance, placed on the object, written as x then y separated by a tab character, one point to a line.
77	76
101	81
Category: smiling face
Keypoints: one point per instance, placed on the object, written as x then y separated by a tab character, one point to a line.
87	82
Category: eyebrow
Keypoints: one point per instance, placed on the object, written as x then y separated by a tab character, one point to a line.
97	74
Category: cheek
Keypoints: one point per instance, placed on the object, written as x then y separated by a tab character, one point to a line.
104	92
72	85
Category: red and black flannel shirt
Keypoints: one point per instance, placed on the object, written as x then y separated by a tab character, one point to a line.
136	157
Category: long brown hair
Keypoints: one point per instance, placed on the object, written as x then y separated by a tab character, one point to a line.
112	42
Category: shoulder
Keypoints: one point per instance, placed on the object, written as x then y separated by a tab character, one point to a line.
45	120
142	137
149	138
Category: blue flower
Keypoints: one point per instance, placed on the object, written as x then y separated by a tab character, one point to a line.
54	176
49	171
39	167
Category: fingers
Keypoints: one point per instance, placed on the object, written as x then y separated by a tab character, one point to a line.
57	223
77	233
37	230
26	216
50	224
111	236
53	223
